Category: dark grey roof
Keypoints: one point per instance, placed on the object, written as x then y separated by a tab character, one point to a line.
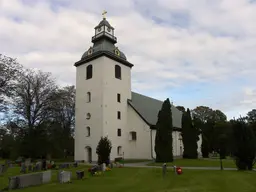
104	22
106	46
103	43
148	109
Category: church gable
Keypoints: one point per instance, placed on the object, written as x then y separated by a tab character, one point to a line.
148	109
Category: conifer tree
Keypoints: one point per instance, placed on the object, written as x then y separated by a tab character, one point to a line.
189	136
244	145
103	150
163	139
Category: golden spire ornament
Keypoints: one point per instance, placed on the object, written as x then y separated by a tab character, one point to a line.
104	14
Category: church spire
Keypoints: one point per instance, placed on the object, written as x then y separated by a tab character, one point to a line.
104	31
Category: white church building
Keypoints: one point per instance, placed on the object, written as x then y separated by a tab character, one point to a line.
106	106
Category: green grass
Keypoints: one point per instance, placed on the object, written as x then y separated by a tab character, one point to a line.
228	163
150	179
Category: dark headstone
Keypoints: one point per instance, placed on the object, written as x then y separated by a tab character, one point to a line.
13	183
94	169
164	168
23	168
80	174
44	165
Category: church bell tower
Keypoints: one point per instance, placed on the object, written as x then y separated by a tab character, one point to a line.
103	86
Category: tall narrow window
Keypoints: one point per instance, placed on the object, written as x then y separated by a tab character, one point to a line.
89	72
117	71
119	97
118	115
88	97
134	135
88	130
119	132
119	150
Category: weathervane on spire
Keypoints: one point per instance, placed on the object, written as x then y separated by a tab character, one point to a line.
104	14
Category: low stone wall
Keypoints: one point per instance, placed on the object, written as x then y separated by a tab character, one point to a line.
28	180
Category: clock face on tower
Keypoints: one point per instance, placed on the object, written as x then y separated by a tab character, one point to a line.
109	29
99	29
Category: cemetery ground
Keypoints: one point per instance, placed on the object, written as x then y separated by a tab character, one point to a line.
147	179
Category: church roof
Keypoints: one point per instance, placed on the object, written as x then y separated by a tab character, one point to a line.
148	109
104	22
104	45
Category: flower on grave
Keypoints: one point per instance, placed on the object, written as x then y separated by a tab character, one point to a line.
108	169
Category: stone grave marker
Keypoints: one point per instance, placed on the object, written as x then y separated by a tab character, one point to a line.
46	176
103	167
27	162
64	177
30	167
164	169
23	168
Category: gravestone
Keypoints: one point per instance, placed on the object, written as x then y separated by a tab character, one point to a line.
103	167
27	162
46	176
44	165
164	169
28	180
175	169
23	168
30	167
80	174
94	169
64	177
13	184
2	169
38	166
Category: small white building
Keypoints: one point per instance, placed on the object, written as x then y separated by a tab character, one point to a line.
106	106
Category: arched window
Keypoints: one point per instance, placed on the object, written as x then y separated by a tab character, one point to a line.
88	131
89	72
88	116
118	72
119	150
88	97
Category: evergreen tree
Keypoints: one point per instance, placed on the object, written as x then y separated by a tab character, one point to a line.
103	150
189	136
163	140
244	145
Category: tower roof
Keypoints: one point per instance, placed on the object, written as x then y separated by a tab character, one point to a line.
104	22
104	44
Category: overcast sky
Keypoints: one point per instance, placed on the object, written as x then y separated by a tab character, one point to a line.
196	52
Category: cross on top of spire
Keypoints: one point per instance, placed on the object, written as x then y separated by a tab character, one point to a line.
104	14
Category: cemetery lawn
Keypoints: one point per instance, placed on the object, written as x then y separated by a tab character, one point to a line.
150	179
227	163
